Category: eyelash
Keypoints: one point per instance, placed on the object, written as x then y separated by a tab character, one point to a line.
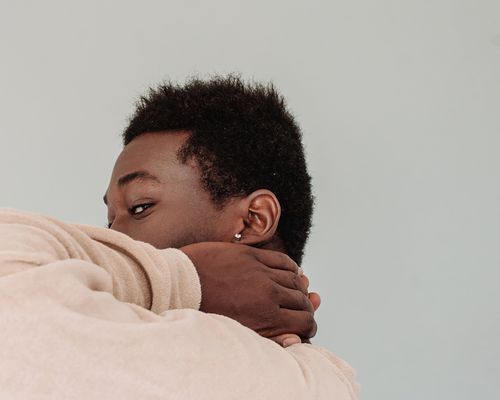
145	206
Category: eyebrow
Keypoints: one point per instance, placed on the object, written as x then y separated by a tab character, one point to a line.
133	176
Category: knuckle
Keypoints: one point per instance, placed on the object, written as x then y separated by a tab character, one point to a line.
314	329
270	293
311	325
307	304
248	252
299	283
281	258
286	261
307	325
274	290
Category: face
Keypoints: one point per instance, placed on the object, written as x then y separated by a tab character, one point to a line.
154	198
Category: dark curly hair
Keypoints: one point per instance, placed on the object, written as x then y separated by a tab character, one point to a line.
243	139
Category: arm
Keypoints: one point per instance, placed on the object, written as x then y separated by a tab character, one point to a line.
137	273
64	333
162	280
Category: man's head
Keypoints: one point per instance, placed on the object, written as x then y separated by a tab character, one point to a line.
209	159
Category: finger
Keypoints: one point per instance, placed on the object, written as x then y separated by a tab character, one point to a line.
286	339
276	260
288	279
315	300
305	279
301	323
293	299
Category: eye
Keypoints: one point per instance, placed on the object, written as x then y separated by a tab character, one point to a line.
139	209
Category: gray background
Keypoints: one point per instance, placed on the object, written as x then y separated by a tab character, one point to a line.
399	103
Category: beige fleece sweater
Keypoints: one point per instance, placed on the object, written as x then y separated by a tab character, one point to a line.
88	313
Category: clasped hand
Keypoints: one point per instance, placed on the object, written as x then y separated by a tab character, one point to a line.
262	289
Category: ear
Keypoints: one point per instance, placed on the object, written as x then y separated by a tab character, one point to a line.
261	218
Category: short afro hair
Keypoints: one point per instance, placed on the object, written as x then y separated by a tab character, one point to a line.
243	139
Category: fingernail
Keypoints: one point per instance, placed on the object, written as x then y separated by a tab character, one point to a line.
300	271
289	342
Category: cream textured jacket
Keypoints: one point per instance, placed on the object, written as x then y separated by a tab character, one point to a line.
88	313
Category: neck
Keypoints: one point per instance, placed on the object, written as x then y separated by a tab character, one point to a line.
275	243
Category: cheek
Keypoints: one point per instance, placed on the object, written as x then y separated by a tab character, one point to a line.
156	232
168	230
177	224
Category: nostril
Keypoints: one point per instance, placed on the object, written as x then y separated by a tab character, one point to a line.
119	225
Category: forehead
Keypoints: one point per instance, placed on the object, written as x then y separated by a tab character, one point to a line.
153	152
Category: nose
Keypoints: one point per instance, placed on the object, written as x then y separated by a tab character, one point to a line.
119	224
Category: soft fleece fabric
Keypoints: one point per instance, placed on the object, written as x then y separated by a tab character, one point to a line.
88	313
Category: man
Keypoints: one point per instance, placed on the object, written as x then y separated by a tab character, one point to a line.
175	185
217	161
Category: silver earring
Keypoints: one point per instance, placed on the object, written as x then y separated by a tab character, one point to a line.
237	236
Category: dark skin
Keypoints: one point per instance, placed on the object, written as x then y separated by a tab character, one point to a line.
154	198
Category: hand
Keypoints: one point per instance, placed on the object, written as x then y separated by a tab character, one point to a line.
259	288
287	339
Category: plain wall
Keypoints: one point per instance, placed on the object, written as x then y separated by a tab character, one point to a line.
399	102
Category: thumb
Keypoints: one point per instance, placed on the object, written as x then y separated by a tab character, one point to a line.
286	339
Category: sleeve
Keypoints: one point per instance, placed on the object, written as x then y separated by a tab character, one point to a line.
138	273
65	334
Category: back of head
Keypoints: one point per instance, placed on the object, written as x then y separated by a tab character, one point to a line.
243	139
